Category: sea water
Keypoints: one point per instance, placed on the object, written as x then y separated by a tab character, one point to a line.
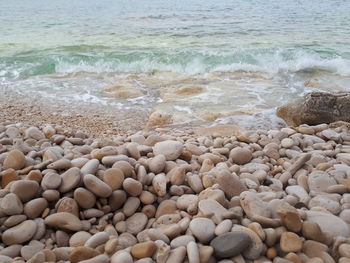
223	61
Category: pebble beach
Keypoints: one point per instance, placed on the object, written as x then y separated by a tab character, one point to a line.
257	196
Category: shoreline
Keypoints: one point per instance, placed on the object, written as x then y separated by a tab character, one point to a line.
273	195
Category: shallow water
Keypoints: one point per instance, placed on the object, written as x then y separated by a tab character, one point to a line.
201	60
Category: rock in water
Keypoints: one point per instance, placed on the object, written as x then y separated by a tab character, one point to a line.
316	108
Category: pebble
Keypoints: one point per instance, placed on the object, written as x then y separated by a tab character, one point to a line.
79	238
15	160
241	155
24	189
35	207
19	233
170	149
84	198
230	244
65	221
114	177
8	176
143	250
70	179
136	223
11	205
132	187
97	186
79	254
290	242
203	229
290	217
192	252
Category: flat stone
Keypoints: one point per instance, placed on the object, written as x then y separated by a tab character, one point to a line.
35	207
132	187
20	233
230	244
65	221
84	198
79	238
114	177
8	176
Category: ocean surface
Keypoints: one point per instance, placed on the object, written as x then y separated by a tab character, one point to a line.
201	60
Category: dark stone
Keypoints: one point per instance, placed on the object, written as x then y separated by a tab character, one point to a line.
316	108
230	244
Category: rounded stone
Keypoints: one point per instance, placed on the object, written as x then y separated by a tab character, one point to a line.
25	189
230	244
290	242
11	205
170	149
70	179
97	186
79	254
15	159
132	187
79	238
35	207
51	181
143	250
84	198
65	221
114	177
241	155
136	223
203	229
20	233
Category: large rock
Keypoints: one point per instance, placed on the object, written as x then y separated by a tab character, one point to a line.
316	108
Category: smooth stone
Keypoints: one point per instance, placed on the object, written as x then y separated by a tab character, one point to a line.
114	177
68	205
330	224
35	207
11	251
24	189
51	181
203	229
97	239
90	167
136	223
181	241
27	252
312	230
159	183
240	155
98	259
132	187
97	186
326	202
11	205
8	176
210	207
34	133
143	250
290	217
290	242
170	149
79	238
131	205
5	259
230	244
223	227
256	246
62	164
65	221
230	183
177	255
117	199
70	179
84	198
79	254
344	250
157	164
14	220
51	195
166	207
121	257
192	252
62	238
40	228
319	181
20	233
15	160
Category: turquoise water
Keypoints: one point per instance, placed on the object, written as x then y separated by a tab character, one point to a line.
190	58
